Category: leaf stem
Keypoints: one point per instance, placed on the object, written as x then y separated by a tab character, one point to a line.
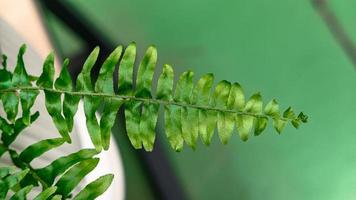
125	97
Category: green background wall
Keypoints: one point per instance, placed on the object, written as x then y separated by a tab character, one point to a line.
281	48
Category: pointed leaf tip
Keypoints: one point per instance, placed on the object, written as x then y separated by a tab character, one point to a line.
289	113
303	117
95	188
272	109
22	49
254	104
66	62
4	61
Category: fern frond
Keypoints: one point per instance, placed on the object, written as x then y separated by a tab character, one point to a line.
191	110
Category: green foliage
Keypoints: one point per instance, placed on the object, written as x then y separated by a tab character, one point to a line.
191	111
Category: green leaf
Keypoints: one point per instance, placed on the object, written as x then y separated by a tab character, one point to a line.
207	124
295	123
190	126
11	181
221	95
107	120
302	117
15	159
46	193
46	78
70	102
184	87
95	188
27	99
70	107
125	87
145	73
29	180
132	118
60	165
244	125
279	124
226	123
22	193
91	103
4	61
172	113
260	126
225	120
21	78
84	82
2	149
9	99
4	171
56	197
126	70
245	122
206	118
73	176
254	104
10	102
173	126
5	127
148	123
165	84
18	128
201	92
64	81
35	150
289	113
272	109
189	116
104	84
236	99
54	107
53	99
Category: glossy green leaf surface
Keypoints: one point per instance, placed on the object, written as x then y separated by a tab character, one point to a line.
60	165
17	129
10	181
35	150
21	78
95	188
56	197
9	99
70	102
46	193
145	73
22	193
125	83
73	176
165	84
